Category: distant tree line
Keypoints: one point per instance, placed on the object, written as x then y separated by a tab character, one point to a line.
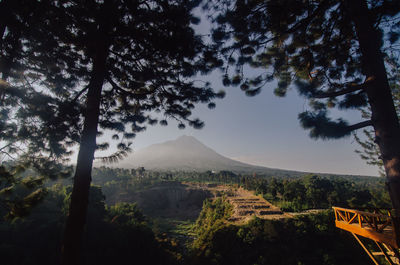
315	192
291	194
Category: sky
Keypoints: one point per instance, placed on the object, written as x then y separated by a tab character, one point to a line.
263	130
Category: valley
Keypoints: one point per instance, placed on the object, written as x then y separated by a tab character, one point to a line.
165	217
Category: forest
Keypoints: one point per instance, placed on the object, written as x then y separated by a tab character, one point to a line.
289	193
119	232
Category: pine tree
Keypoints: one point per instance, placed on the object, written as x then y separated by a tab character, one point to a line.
27	139
331	50
107	64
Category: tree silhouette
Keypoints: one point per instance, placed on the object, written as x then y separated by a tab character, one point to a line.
29	136
332	50
107	64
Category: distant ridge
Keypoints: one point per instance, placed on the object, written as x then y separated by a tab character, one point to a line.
186	153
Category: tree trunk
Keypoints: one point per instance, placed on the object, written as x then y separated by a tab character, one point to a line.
384	117
76	220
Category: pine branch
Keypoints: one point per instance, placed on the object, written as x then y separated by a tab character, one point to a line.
337	93
113	158
7	154
4	147
300	24
79	94
120	89
117	87
360	125
349	89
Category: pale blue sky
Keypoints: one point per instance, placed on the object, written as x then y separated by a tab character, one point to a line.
264	130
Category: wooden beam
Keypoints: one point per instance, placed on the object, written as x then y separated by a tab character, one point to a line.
343	218
389	259
384	225
354	217
366	250
360	212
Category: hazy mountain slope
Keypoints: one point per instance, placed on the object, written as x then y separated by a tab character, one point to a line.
189	154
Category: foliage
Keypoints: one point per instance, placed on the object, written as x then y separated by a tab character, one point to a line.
310	239
33	135
332	51
211	219
314	192
105	65
313	45
290	193
121	233
118	233
22	185
141	75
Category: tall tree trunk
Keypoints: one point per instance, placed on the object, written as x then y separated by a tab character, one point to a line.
384	117
71	253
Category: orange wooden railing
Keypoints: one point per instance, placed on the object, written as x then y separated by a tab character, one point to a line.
378	226
376	221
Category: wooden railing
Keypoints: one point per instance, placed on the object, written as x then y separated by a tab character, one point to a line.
375	221
377	226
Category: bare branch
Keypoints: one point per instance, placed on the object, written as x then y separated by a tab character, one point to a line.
4	147
7	154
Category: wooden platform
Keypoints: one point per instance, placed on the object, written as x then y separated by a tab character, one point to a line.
375	226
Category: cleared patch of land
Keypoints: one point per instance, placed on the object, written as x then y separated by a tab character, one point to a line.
245	204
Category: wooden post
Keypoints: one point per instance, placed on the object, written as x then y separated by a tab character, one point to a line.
384	253
366	250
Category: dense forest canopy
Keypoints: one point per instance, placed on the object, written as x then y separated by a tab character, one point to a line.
127	234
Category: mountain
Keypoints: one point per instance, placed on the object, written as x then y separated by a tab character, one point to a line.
188	154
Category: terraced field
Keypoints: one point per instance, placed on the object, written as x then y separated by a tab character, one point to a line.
246	205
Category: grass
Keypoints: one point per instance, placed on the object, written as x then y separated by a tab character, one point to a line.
174	228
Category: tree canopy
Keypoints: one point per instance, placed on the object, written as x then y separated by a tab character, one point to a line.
332	51
108	64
